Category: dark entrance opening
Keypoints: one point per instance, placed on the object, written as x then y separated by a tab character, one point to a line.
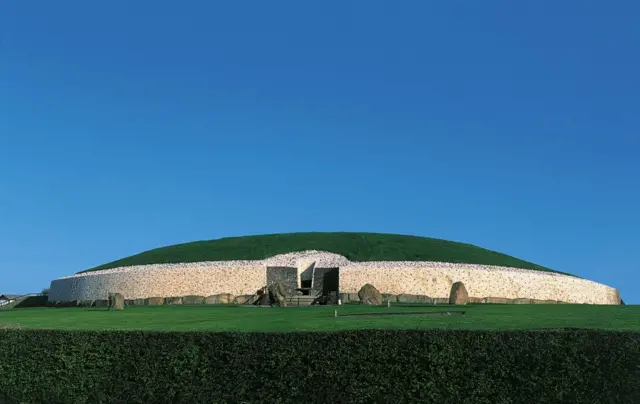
326	283
305	287
331	281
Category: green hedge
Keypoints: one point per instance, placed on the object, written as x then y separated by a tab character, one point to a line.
439	366
33	301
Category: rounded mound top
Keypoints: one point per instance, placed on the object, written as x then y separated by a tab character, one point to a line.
357	247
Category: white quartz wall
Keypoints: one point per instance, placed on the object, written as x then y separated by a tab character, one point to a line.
433	279
161	281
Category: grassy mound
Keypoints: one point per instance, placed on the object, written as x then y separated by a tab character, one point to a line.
354	246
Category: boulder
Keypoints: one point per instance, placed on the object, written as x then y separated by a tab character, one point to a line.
116	301
84	303
278	294
193	299
353	297
129	302
368	294
458	294
154	301
521	301
173	300
139	302
476	300
344	297
440	300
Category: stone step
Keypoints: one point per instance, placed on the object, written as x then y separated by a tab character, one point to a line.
300	300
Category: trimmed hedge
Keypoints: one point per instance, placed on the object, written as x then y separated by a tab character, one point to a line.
33	301
436	366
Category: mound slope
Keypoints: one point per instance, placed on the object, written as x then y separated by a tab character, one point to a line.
357	247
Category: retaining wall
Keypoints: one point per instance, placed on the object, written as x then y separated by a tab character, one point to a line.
432	279
151	281
435	280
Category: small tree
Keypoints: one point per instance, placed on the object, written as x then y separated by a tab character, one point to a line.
45	292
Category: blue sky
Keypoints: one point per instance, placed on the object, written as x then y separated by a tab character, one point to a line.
126	126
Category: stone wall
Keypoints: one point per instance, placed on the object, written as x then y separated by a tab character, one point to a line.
151	281
432	279
287	276
435	280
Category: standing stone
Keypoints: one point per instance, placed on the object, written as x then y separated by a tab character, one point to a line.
368	294
116	301
458	294
278	294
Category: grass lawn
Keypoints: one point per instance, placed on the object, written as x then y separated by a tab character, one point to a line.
321	318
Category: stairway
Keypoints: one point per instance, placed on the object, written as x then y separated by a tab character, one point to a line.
294	301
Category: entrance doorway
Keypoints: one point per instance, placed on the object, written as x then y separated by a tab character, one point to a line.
326	280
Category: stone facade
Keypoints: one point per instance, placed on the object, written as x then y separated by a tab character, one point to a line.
141	282
287	276
435	280
432	279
